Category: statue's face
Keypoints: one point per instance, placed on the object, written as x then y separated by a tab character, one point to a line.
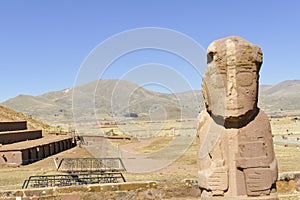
230	84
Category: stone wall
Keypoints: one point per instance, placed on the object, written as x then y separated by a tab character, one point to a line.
115	191
10	137
13	126
34	153
11	132
186	189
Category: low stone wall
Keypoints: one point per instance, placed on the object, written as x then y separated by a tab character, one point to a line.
35	152
152	190
18	136
288	182
13	126
12	132
112	191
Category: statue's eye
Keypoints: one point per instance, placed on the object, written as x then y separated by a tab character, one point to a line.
245	79
210	57
218	80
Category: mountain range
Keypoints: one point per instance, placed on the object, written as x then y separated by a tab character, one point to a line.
107	99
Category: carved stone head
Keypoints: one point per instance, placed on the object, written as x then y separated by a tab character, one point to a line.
230	83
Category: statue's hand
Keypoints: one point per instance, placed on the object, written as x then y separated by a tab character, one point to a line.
215	179
258	180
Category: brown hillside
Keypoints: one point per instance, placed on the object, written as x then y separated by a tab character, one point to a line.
7	114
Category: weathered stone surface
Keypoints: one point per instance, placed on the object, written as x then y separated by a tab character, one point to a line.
235	149
38	192
230	81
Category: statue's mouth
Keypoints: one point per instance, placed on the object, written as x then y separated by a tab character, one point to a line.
230	107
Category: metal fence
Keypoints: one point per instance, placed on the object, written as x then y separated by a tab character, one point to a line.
62	180
72	165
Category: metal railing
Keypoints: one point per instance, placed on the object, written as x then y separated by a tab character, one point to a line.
62	180
72	165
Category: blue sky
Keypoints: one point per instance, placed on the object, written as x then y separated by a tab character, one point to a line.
44	43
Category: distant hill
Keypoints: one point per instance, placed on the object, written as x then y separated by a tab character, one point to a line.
106	99
281	99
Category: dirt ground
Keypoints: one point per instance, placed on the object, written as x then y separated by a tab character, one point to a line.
184	167
285	125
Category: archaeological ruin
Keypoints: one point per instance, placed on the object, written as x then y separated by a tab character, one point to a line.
11	132
19	145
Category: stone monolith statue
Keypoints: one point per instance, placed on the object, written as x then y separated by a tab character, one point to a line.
236	157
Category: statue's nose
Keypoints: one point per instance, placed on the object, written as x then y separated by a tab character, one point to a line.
231	87
231	93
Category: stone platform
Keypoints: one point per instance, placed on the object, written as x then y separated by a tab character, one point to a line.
13	125
11	132
30	151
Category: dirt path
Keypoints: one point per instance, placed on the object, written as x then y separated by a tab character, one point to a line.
131	147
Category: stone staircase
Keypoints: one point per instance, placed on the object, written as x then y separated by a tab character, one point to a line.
11	132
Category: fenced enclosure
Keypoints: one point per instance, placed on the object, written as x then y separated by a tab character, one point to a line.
72	165
62	180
